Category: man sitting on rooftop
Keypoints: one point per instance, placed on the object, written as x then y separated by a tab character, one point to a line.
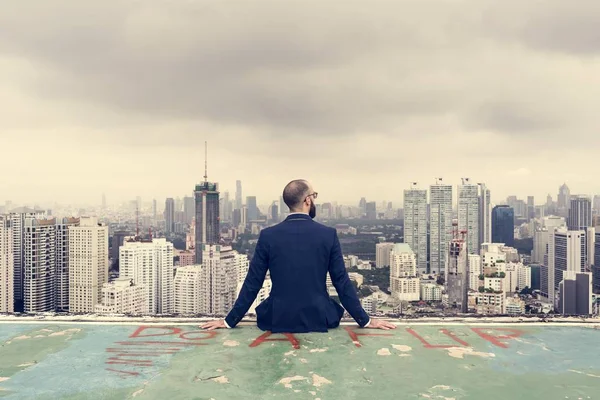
298	253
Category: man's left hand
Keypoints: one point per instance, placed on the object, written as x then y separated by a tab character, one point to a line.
212	325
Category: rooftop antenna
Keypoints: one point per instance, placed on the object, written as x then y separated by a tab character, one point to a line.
205	162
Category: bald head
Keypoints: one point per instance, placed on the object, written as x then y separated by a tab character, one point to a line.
295	193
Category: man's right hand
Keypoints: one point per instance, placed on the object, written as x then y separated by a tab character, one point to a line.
380	324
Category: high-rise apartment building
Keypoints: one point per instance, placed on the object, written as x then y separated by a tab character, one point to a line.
457	272
188	290
503	225
207	216
88	264
440	225
61	284
170	215
596	265
566	252
575	293
468	214
580	213
18	217
39	292
252	207
404	283
383	252
6	266
415	224
122	296
485	214
150	263
222	276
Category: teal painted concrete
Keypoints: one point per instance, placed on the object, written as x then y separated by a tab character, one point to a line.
84	361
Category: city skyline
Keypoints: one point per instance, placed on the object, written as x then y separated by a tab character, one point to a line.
123	102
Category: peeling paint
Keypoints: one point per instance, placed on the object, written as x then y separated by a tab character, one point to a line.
304	361
319	350
384	352
290	353
318	381
3	379
287	382
459	352
221	379
137	393
231	343
402	348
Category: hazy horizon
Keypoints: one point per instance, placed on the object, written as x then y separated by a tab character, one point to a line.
360	98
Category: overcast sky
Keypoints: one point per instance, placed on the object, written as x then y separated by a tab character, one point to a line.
359	97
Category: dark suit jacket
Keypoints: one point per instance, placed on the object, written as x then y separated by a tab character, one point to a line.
298	253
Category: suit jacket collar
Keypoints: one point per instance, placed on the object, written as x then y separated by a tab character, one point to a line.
298	216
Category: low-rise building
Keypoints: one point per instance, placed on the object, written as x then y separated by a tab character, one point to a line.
431	291
490	303
122	296
515	306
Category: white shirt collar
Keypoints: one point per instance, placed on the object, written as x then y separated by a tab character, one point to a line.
299	212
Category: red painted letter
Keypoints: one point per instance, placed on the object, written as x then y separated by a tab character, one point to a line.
438	346
485	334
171	331
209	335
265	338
354	335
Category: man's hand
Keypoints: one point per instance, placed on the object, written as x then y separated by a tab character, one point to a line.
212	325
380	324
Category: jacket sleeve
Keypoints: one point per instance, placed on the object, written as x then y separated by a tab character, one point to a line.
252	284
345	289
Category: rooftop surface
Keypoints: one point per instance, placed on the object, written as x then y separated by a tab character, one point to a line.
111	360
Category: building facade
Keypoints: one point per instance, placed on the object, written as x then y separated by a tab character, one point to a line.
440	226
415	225
40	265
122	296
6	266
383	252
468	214
62	262
503	225
188	290
207	216
87	264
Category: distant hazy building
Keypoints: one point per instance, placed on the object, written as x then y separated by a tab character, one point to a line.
189	209
415	224
371	210
238	195
170	215
575	294
468	214
503	225
207	216
580	213
150	264
440	225
596	265
485	214
252	207
383	252
6	266
122	296
564	200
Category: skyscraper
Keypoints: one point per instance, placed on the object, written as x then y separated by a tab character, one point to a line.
252	208
150	264
88	264
530	208
566	252
371	210
564	200
580	213
415	224
503	225
39	292
170	215
362	205
468	214
207	216
155	209
189	208
457	271
61	284
238	195
485	214
226	215
18	218
440	225
6	266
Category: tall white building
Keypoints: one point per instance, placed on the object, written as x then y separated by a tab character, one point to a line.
150	263
404	283
88	264
18	218
566	252
6	266
62	262
485	214
40	265
382	254
263	294
415	224
188	290
440	225
223	272
122	296
475	269
468	214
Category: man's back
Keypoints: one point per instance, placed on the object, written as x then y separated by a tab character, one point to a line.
299	253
